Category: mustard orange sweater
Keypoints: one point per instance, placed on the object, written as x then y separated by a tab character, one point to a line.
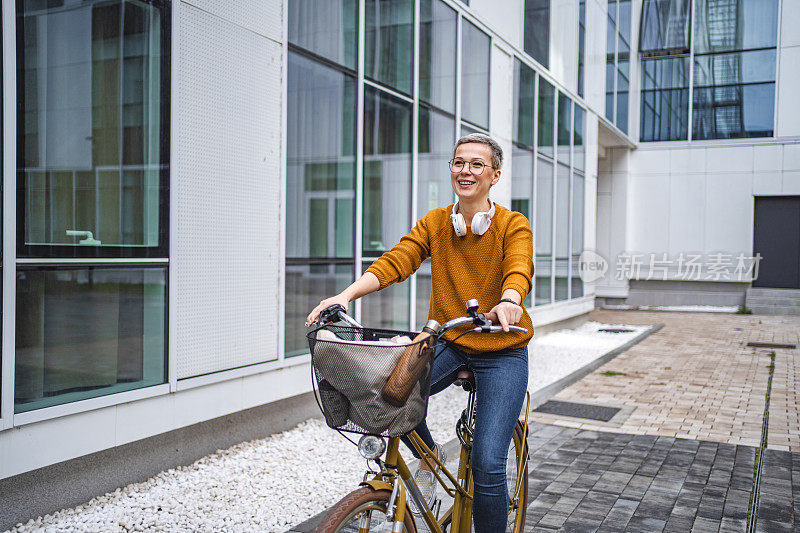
473	266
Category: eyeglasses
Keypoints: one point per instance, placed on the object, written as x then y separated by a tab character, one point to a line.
476	168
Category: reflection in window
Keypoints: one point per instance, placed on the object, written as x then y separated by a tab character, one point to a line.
665	27
564	127
325	27
475	49
437	55
423	296
545	126
578	150
89	332
320	190
543	230
306	285
578	200
537	30
389	307
93	112
522	181
389	42
543	279
734	85
524	103
727	26
562	212
320	167
578	192
665	99
436	132
561	280
617	62
387	170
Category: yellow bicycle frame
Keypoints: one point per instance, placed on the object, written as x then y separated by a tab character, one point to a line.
460	514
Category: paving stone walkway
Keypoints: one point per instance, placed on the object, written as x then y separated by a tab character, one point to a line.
584	481
696	379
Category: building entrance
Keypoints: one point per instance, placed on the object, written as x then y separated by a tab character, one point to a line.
776	236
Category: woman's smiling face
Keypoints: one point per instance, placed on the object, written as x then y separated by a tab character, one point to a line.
467	186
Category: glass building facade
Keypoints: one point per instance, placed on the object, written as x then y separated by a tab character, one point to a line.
720	77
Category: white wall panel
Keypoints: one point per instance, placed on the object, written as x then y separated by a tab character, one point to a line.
788	111
651	162
686	160
790	15
729	159
687	200
506	18
791	182
227	189
767	182
650	212
260	16
791	156
729	213
767	157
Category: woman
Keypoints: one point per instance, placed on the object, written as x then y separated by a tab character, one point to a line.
479	250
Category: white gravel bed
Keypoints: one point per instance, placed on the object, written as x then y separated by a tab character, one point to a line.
275	483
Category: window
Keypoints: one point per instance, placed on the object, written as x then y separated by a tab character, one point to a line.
537	30
321	159
327	29
733	59
475	49
389	40
618	36
664	27
437	55
665	99
320	189
544	141
387	171
734	68
93	148
93	80
88	332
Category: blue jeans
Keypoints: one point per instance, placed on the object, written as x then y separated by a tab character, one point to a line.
501	379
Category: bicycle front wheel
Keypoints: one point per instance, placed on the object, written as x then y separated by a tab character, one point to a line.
517	480
363	510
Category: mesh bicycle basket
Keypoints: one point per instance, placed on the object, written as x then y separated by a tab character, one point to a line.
350	366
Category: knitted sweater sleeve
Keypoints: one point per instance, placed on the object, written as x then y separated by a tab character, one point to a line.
405	258
518	255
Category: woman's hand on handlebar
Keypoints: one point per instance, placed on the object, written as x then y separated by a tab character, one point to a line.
505	313
340	299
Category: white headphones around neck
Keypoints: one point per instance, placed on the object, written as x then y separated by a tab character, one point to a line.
480	221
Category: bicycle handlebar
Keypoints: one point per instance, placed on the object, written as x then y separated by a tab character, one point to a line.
336	312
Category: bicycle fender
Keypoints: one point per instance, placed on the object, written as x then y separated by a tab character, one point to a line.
376	484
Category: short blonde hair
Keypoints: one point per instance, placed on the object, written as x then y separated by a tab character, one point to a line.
482	138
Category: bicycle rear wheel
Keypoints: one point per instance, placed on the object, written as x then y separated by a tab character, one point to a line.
363	510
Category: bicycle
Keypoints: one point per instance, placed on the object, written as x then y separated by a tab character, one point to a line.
381	504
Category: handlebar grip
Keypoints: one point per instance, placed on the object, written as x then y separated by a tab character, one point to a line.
408	370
